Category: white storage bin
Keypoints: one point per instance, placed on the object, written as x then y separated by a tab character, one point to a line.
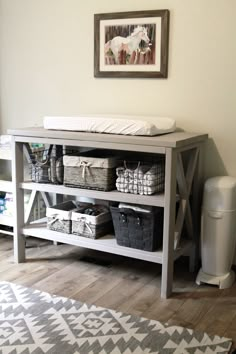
59	216
91	226
218	231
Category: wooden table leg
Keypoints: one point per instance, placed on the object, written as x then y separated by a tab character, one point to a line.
169	223
196	209
18	193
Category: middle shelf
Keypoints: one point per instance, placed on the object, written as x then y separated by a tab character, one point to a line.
116	196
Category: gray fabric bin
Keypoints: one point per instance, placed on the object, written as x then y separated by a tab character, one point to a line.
141	230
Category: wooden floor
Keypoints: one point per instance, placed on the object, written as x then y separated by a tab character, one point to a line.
122	284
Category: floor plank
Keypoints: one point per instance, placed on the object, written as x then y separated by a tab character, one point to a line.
120	283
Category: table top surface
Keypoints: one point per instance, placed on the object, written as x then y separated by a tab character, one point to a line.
175	139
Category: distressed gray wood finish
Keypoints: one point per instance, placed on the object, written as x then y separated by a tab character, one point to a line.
197	192
169	223
171	145
176	139
32	202
17	176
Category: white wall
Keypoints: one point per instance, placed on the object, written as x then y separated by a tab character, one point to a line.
47	68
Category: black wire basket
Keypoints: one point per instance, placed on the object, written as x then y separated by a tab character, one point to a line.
46	166
141	177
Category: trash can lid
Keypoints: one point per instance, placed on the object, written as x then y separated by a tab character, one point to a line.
220	193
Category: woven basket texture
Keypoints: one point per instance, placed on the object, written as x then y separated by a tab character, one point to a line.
93	169
92	226
59	216
64	226
91	230
96	178
138	229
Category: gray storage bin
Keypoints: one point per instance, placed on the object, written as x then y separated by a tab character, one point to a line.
91	170
59	216
136	229
92	226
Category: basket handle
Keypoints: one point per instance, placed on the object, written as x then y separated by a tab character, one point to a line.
34	161
124	212
127	211
59	169
125	165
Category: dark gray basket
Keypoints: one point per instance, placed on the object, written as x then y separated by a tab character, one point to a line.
46	167
139	230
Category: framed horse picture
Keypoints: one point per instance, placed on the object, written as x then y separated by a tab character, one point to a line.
131	44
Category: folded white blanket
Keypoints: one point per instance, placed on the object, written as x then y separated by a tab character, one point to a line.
125	125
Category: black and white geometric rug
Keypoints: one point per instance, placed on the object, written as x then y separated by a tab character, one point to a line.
35	322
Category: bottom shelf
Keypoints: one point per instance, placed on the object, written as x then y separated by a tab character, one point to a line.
105	244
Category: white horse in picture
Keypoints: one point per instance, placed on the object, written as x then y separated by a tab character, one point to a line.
127	44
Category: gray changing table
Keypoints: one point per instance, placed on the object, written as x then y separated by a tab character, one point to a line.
183	182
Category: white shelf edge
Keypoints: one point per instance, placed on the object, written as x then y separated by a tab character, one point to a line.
6	220
153	200
105	244
6	186
5	154
6	232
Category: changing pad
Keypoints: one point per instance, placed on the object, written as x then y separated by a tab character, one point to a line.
125	125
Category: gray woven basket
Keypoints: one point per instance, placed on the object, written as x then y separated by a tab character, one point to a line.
59	225
92	226
59	217
89	230
91	170
98	178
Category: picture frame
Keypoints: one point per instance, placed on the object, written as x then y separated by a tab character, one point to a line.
131	44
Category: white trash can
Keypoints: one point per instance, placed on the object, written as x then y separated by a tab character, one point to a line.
218	232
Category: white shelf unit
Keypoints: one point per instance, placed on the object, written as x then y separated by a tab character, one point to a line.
5	186
5	154
179	176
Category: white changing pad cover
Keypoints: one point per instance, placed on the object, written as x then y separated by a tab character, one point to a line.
125	125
